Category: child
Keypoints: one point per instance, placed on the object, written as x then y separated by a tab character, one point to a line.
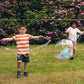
72	31
22	41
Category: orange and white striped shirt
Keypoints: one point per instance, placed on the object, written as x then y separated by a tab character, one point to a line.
22	42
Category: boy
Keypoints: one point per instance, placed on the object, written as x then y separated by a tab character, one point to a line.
22	41
72	31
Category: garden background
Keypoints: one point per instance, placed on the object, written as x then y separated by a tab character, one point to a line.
42	17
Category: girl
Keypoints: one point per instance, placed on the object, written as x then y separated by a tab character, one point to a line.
72	31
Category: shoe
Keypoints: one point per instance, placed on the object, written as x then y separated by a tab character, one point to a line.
72	58
18	74
26	74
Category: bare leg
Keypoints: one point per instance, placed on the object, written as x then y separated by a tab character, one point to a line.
74	48
19	65
25	66
74	52
71	51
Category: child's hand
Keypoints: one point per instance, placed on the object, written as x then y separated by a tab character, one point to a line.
40	36
83	32
65	29
4	39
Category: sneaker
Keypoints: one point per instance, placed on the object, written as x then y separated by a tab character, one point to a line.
26	74
18	74
72	58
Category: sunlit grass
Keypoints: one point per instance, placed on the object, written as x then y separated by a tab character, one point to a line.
43	68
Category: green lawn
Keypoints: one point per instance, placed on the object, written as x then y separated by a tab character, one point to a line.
43	68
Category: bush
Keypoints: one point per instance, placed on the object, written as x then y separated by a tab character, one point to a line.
39	16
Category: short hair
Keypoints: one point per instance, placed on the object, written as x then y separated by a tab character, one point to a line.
22	25
74	21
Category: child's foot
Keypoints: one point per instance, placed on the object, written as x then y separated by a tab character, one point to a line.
26	74
18	74
72	58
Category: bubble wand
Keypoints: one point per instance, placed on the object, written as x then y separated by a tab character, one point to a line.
46	44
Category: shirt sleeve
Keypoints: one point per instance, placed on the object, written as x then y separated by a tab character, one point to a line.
14	37
68	30
80	32
30	36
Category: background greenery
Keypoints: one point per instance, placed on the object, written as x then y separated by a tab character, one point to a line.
39	17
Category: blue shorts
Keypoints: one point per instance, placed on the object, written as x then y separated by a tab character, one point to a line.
23	58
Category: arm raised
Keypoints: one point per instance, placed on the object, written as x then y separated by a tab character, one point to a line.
7	39
36	37
80	32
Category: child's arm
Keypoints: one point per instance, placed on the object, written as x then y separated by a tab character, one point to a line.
36	37
80	32
67	30
7	39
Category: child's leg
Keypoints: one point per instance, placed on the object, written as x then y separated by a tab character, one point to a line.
26	60
19	65
18	71
25	66
71	51
74	48
19	61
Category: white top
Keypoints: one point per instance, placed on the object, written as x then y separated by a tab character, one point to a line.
73	33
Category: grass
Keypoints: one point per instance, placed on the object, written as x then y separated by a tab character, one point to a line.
43	68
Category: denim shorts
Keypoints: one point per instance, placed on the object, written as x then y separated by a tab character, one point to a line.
23	58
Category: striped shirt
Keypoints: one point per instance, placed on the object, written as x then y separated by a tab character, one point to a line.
22	42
